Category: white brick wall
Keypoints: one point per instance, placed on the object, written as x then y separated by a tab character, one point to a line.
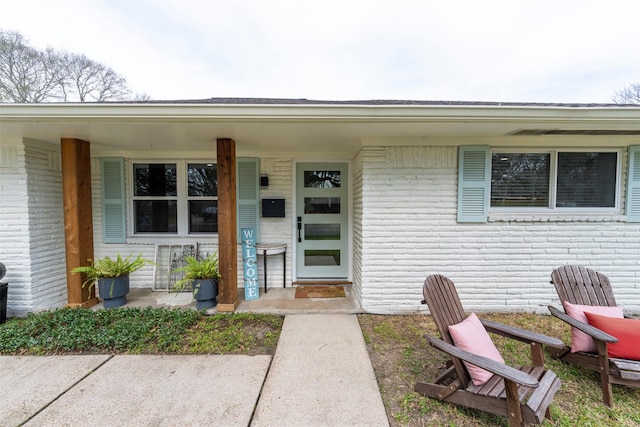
14	227
32	228
46	226
409	231
356	213
404	228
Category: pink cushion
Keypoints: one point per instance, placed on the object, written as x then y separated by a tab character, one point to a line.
470	335
626	330
579	340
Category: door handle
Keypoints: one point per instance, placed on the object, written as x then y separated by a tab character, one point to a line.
299	229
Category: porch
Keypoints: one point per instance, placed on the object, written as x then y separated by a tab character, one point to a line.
276	301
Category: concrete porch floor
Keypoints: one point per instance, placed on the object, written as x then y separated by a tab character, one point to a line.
280	301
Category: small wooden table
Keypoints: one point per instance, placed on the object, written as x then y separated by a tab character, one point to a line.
266	249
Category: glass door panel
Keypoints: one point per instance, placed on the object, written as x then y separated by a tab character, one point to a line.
322	231
322	220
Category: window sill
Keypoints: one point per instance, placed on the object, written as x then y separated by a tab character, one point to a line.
556	217
171	240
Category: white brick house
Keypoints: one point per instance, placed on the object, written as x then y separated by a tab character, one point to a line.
494	196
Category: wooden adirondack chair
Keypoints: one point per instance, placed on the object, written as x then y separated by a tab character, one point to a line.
584	286
522	394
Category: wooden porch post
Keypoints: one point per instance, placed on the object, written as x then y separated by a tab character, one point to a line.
227	227
78	217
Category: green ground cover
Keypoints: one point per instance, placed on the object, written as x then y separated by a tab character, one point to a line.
139	331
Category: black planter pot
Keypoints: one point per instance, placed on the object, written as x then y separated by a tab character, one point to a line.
205	292
3	302
114	290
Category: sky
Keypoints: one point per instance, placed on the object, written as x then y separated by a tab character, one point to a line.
564	51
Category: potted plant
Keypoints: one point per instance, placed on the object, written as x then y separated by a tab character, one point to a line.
112	277
203	275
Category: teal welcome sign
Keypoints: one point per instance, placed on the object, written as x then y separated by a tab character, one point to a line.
249	258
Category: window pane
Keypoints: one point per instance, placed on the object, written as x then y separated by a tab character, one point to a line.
322	205
322	257
322	231
520	180
203	216
155	216
202	179
154	179
586	180
322	179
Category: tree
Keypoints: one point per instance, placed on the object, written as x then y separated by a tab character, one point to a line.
629	95
31	76
87	80
26	74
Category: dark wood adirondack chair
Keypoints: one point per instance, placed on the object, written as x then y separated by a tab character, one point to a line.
584	286
522	394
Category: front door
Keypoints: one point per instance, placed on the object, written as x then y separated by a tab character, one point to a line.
322	220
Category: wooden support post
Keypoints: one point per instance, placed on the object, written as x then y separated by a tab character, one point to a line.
227	228
78	218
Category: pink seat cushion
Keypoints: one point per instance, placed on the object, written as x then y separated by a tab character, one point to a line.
470	335
579	340
626	330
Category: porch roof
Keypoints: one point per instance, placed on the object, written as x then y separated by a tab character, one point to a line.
301	125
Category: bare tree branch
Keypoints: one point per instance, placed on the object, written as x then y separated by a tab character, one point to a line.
141	97
30	75
91	81
26	74
628	95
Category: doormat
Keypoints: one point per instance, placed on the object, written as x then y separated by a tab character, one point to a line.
320	291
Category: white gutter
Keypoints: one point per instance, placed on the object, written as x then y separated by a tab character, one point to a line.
306	112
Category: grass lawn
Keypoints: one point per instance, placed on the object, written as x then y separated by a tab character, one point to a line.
398	351
401	357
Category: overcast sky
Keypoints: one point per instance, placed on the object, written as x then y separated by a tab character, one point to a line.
453	50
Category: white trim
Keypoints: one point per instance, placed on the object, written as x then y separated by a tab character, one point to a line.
559	113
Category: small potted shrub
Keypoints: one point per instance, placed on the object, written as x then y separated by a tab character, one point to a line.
203	275
112	277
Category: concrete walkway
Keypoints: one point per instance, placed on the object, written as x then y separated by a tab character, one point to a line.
320	375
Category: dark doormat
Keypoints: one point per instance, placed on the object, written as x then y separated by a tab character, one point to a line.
320	291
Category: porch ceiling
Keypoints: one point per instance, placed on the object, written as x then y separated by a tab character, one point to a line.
294	128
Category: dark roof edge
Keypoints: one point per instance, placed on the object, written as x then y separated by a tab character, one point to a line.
374	102
363	103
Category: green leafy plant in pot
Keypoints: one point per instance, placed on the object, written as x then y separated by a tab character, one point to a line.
112	277
203	275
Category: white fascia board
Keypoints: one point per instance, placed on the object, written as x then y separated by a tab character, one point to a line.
356	113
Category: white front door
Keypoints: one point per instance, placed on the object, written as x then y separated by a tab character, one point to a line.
322	220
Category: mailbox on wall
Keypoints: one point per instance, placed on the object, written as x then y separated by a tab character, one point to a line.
273	208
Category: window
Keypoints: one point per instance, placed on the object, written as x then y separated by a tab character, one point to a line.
519	180
586	180
175	198
202	195
559	180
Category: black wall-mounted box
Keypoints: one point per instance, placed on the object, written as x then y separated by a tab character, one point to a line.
273	208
